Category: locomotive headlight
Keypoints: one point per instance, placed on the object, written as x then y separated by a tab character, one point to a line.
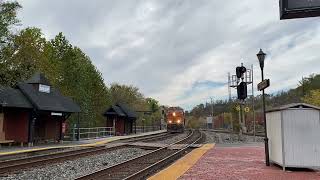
174	114
170	122
179	121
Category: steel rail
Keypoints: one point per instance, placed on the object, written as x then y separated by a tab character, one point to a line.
160	163
35	161
7	166
148	138
100	174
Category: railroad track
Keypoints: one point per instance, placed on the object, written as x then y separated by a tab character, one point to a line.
149	138
8	166
143	166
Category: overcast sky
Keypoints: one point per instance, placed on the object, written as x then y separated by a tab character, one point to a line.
180	51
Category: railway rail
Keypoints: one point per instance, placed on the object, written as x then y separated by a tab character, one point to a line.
143	166
8	166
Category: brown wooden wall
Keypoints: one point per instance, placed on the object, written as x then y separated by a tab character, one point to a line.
15	125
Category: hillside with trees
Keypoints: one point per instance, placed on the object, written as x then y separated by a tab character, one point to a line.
68	68
307	91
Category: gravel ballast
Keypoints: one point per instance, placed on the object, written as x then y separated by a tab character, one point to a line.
176	137
227	138
79	167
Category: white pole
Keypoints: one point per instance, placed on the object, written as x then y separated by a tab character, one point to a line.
253	112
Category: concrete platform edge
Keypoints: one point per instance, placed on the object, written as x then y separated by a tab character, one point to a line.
181	166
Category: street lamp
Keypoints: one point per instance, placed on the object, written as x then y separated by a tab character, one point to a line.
261	56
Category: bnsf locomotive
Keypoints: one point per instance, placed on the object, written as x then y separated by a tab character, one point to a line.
175	119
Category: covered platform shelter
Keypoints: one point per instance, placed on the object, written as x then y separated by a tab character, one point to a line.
34	111
122	118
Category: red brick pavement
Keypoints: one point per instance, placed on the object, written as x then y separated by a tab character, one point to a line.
241	163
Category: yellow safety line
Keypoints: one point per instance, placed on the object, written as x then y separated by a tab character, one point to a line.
177	169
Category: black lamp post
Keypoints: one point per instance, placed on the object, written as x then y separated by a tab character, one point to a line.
261	56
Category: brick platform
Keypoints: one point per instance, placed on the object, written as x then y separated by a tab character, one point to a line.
234	163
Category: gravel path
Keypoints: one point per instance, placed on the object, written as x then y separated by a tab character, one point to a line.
225	138
79	167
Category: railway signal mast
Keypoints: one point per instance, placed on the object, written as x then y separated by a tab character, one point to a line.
240	81
242	92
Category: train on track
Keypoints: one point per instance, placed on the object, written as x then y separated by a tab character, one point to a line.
175	119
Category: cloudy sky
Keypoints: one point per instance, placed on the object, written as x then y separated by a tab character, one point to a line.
180	51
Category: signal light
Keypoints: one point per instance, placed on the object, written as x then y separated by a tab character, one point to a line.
242	91
240	71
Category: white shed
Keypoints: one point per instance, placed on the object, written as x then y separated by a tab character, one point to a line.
294	135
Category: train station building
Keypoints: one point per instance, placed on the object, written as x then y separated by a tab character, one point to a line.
122	118
34	111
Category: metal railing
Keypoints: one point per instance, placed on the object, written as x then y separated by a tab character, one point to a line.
143	129
91	133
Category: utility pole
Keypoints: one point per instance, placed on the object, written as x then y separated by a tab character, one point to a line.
212	112
229	86
253	111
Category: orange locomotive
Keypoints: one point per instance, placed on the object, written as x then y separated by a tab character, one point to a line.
175	119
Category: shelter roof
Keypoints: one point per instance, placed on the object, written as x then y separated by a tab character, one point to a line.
294	105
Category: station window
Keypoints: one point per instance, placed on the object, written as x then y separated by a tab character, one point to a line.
44	88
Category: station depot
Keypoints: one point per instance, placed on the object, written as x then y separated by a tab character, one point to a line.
33	111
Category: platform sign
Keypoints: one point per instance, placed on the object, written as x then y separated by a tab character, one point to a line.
209	120
264	84
290	9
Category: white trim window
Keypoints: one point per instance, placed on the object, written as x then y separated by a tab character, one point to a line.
44	88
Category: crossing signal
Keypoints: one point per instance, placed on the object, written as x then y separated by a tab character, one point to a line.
240	71
242	91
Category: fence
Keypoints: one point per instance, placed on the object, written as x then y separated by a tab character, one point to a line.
99	132
143	129
90	133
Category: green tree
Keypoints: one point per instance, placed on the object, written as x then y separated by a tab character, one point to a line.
22	57
8	18
313	97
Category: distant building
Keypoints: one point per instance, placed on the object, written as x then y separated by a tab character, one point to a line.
34	111
122	118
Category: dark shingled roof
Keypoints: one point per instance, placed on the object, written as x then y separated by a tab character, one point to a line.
129	112
10	97
121	110
38	78
52	101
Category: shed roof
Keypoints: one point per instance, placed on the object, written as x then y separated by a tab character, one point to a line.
121	109
128	111
10	97
52	101
294	105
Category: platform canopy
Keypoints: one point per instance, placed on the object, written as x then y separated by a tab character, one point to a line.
121	110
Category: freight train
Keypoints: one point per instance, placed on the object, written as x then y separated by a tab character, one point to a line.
175	119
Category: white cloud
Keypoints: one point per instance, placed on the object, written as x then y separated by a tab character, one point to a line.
165	47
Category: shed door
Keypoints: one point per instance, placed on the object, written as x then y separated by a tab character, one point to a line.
301	137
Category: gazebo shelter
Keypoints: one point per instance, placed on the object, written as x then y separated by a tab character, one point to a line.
34	111
122	118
